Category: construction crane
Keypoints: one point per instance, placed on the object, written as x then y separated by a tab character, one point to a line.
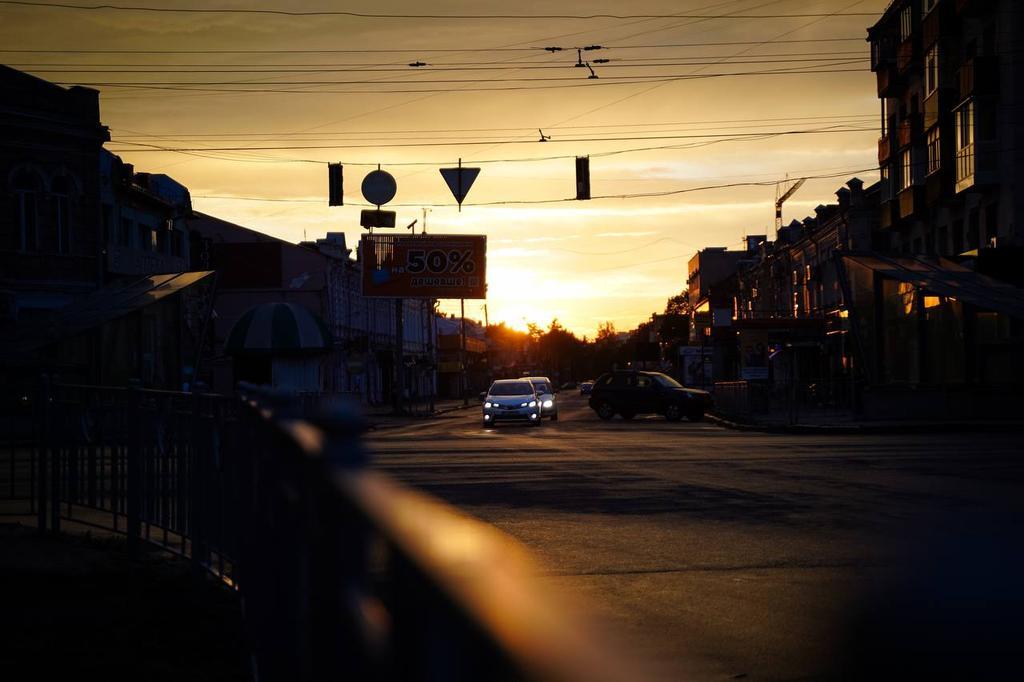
778	202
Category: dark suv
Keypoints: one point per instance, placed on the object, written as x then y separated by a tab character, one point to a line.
629	393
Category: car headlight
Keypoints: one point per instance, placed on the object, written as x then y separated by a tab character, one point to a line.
549	403
533	403
488	404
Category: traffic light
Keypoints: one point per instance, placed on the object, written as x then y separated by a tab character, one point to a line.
582	177
335	192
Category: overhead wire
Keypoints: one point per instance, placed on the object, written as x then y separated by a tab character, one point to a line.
384	15
411	50
428	131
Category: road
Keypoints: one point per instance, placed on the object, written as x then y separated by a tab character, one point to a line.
734	555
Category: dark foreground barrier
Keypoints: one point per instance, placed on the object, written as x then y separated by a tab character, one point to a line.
343	572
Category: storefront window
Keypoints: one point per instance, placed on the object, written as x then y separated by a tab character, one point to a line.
944	340
901	361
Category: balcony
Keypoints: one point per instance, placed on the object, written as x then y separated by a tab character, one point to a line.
908	202
905	55
930	28
907	130
887	79
964	6
935	187
965	168
931	109
966	79
885	211
978	76
884	149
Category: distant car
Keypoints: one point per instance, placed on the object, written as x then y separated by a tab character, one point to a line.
568	386
546	394
586	387
511	400
629	393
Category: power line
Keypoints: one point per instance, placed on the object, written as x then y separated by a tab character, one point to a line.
419	50
455	136
432	69
382	15
446	81
529	128
640	61
553	157
603	82
156	148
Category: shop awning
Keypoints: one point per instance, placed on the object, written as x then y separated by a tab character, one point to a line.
278	329
942	277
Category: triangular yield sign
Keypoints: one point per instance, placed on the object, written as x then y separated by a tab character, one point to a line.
459	180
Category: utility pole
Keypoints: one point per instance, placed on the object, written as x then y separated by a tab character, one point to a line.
431	358
487	340
399	382
462	354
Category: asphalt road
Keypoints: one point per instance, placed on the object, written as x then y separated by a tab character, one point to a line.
738	555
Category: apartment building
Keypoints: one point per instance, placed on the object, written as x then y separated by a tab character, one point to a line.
948	79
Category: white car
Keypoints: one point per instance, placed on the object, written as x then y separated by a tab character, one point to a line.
546	392
511	400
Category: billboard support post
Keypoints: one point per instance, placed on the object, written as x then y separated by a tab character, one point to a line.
462	354
399	382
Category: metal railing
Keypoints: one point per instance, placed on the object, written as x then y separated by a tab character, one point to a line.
343	572
823	402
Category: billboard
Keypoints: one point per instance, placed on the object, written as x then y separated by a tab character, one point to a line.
424	266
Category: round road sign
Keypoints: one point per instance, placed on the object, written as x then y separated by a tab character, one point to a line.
379	187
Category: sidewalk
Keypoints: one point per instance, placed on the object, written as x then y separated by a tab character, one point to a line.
834	423
383	416
81	607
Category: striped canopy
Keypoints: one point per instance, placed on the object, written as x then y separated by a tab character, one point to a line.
278	329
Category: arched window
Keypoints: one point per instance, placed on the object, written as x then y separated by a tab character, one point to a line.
27	186
62	188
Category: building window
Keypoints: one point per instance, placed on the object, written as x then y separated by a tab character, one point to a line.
177	243
934	151
964	123
61	190
108	224
991	224
162	242
144	237
124	235
906	174
27	187
931	70
886	179
906	22
973	223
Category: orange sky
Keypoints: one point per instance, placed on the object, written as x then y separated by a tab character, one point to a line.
582	262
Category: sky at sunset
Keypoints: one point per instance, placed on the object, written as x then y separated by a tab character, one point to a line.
661	118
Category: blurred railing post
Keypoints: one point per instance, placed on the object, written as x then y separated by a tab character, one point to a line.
44	415
345	638
133	489
55	440
196	486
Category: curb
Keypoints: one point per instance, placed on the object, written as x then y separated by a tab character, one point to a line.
405	420
863	428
